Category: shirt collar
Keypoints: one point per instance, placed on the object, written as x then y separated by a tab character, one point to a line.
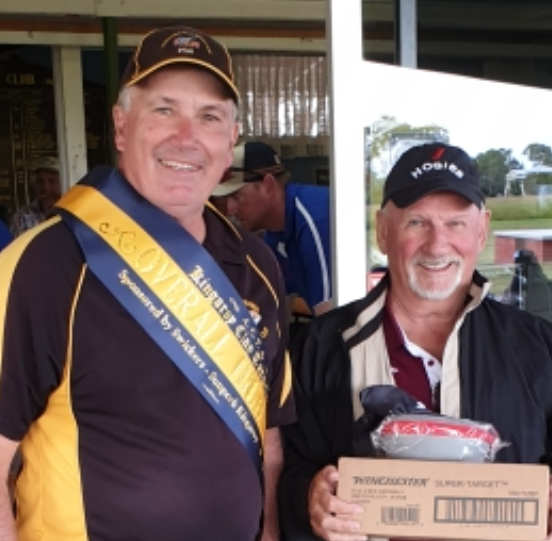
223	238
393	335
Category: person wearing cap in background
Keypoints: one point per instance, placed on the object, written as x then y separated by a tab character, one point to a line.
46	191
295	218
429	328
143	356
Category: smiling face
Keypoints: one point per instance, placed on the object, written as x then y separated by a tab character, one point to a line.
175	139
433	245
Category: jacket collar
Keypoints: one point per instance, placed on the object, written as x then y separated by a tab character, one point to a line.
374	302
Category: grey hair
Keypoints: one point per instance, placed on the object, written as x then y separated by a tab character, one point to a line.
124	99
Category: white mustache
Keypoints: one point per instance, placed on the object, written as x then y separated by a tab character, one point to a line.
432	292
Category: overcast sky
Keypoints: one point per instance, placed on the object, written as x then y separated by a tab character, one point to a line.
478	114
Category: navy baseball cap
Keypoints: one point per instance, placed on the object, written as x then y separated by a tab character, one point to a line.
252	161
180	45
429	168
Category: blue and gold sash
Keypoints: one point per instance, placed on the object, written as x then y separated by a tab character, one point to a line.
174	289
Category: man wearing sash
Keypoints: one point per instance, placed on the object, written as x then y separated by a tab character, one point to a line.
145	373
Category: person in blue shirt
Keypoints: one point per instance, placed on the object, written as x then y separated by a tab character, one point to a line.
295	218
5	235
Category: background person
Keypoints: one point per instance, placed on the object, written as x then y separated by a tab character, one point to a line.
46	190
427	327
5	235
142	378
5	215
295	218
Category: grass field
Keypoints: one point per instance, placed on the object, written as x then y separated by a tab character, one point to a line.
524	209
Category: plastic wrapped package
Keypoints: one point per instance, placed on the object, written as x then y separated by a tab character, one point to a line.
425	436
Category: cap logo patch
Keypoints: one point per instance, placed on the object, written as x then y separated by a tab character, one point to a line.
186	43
437	154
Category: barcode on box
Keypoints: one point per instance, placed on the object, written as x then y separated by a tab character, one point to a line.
400	515
486	511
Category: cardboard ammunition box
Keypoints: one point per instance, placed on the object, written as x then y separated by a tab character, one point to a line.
447	500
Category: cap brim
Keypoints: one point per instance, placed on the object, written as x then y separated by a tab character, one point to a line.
185	60
228	187
407	196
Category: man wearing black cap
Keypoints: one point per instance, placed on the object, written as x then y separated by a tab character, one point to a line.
143	356
295	219
429	328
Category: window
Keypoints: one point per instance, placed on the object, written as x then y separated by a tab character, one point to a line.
282	96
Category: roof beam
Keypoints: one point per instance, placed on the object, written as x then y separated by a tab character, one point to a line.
512	16
465	14
293	45
508	16
234	43
267	10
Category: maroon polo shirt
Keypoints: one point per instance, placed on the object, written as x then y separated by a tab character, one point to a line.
408	370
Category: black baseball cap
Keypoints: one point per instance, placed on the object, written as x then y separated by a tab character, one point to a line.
433	167
180	45
252	161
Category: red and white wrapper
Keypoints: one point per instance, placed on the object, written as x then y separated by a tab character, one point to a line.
436	437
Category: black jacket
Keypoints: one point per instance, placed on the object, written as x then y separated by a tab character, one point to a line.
505	366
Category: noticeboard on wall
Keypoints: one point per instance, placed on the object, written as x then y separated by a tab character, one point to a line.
29	133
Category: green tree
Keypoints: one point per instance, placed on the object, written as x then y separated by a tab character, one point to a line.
536	179
388	128
389	137
516	188
493	166
539	154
